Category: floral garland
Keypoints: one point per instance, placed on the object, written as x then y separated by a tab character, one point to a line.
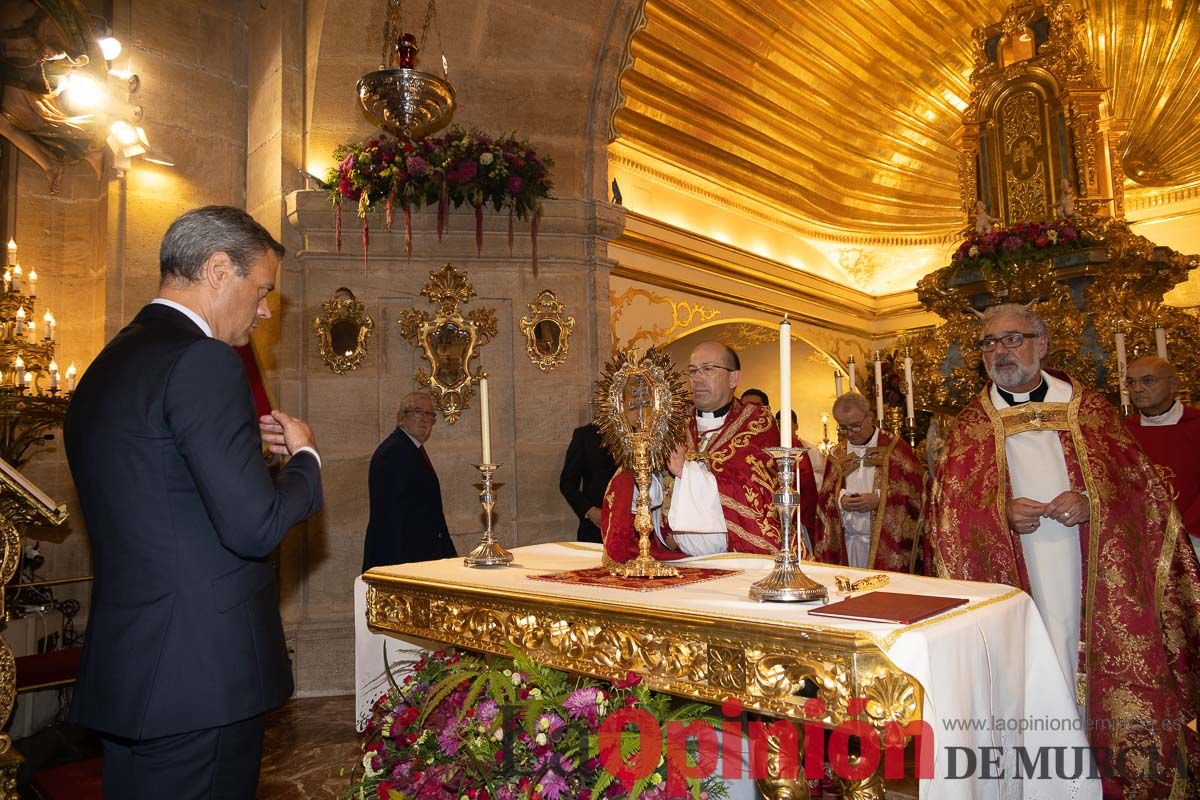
1021	242
459	166
456	726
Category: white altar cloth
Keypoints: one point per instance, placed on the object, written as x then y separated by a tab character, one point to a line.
993	689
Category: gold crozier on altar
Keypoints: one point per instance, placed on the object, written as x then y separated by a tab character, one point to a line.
21	503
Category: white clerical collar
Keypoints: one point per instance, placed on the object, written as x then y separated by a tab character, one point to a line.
1169	417
718	414
872	442
187	312
1057	391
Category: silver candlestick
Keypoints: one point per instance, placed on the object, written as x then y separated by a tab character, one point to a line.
489	553
787	583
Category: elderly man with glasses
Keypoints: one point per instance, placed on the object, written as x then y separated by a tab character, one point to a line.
714	493
407	523
870	500
1169	432
1042	488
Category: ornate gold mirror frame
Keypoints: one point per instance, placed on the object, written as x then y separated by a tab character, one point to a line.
547	329
448	340
342	331
642	409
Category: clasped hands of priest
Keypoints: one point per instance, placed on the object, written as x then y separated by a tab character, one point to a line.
1069	508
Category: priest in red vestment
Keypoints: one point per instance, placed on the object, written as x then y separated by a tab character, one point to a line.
715	493
869	505
1169	432
1042	488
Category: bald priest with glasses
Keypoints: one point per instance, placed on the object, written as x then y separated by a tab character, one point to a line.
1169	432
1042	488
870	499
713	494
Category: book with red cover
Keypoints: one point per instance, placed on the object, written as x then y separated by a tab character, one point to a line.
904	609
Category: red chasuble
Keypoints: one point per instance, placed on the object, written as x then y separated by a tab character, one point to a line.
1175	449
895	525
1139	661
746	478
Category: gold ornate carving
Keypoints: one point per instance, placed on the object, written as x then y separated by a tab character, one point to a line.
342	330
775	786
684	314
768	670
448	340
547	329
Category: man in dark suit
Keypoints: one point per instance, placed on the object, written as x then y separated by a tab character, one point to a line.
586	471
185	648
407	523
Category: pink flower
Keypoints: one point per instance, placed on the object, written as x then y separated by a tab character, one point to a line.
416	166
466	171
515	184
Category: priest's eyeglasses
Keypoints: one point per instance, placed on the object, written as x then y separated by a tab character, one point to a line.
1011	341
420	412
707	370
856	427
1145	380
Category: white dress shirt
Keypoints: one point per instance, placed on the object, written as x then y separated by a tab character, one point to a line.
856	525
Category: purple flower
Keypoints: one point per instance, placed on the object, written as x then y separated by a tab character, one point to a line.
1069	234
515	184
550	724
552	786
581	703
485	712
466	170
448	740
415	165
1013	243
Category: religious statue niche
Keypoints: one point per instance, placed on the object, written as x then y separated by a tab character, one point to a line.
1040	153
642	410
342	331
1037	129
448	340
547	329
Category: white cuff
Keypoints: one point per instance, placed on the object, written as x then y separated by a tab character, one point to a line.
307	449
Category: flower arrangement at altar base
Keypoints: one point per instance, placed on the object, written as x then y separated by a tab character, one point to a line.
457	726
457	167
1019	243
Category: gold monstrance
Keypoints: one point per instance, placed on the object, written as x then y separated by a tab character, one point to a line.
642	411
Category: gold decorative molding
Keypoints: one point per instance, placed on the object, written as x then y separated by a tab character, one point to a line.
769	670
448	340
547	330
342	330
684	313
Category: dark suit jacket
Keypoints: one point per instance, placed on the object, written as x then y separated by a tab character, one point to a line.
586	471
181	512
407	523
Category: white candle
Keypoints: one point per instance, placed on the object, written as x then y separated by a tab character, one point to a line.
878	388
1160	341
12	252
71	377
49	319
908	388
17	272
825	426
1120	338
28	380
785	383
33	279
19	372
485	425
837	383
53	374
850	370
31	333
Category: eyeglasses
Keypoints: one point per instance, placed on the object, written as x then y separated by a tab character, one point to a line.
420	412
1145	380
1010	340
856	427
707	370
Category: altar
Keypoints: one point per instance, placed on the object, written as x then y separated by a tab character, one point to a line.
983	678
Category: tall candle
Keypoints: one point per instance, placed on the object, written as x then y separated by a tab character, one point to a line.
908	389
17	274
71	377
53	374
837	383
31	332
1120	340
485	425
49	319
850	370
12	252
878	388
33	278
19	372
785	383
1160	341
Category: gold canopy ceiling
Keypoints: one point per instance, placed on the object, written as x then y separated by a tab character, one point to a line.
841	113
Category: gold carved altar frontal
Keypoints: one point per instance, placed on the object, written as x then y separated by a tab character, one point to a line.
771	669
600	576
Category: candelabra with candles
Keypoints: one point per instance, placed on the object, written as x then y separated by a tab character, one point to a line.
32	401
